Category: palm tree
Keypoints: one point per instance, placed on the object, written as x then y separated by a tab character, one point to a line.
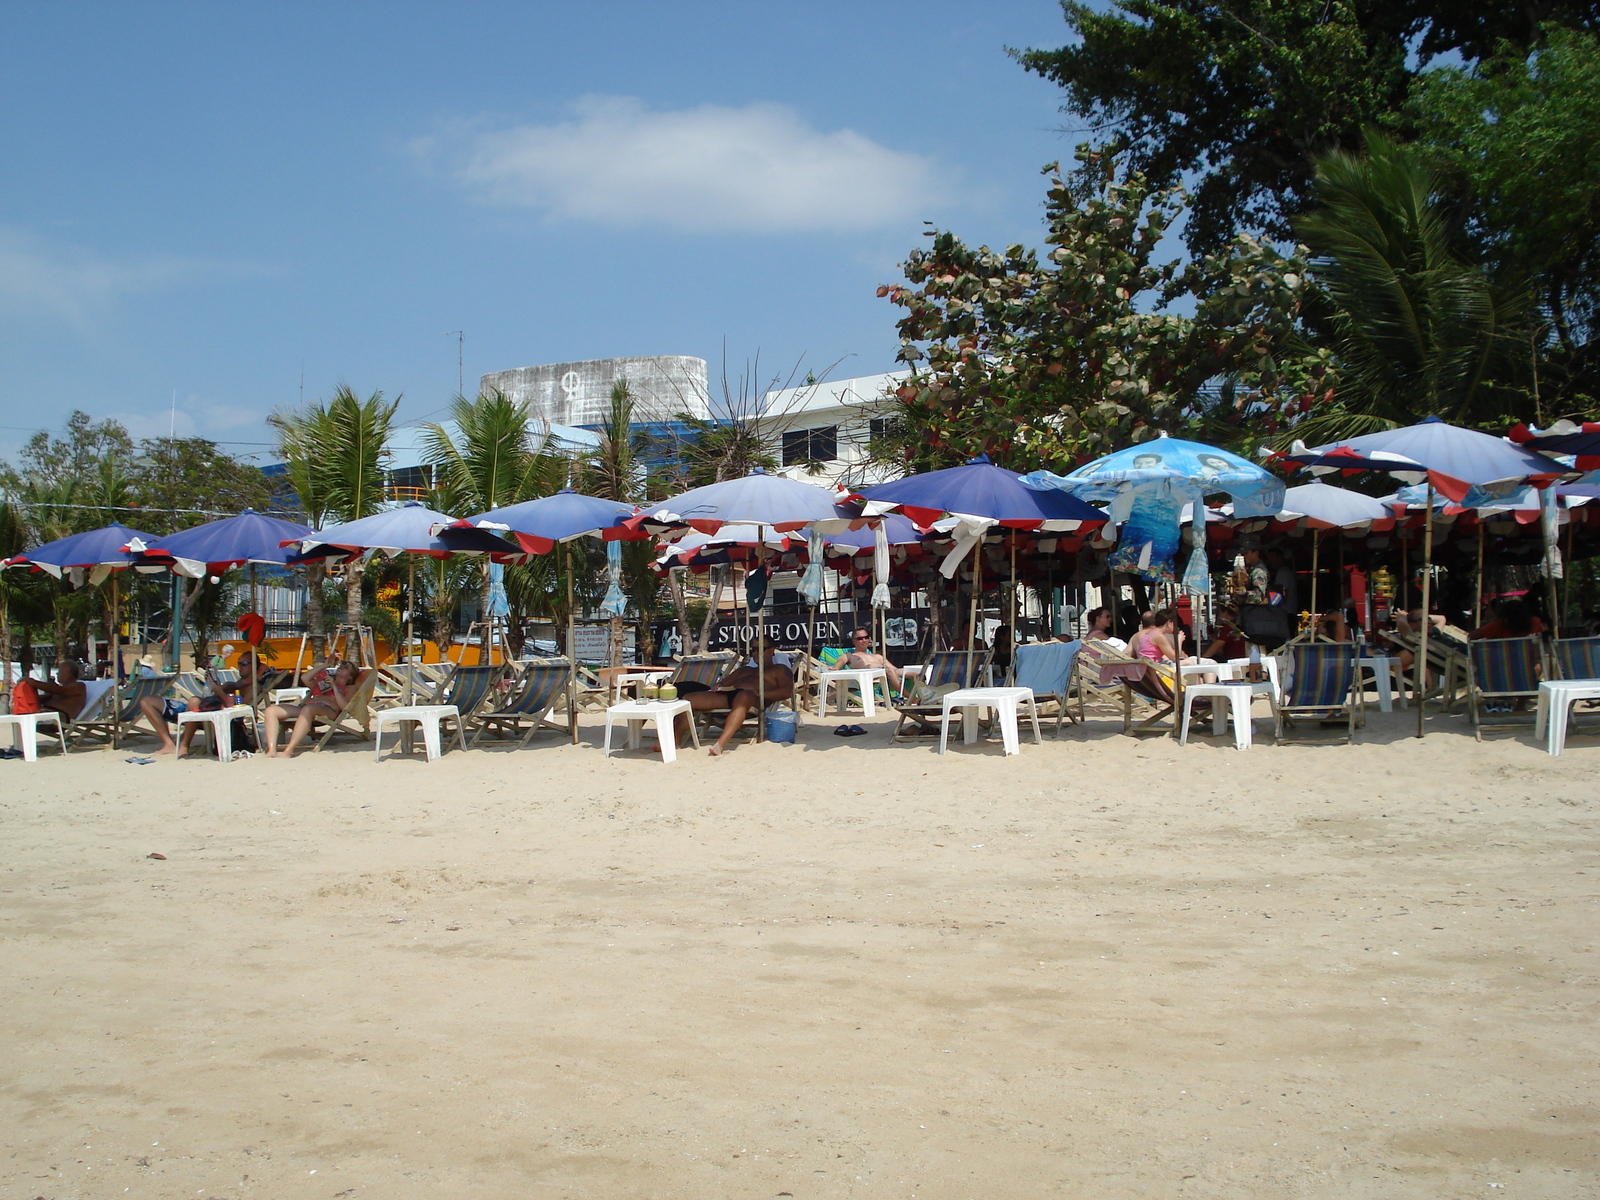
1417	329
334	456
497	456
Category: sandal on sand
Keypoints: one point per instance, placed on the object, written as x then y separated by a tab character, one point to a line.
139	762
842	731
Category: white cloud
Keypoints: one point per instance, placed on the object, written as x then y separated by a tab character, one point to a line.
41	278
760	168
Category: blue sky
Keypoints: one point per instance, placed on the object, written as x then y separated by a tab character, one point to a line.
211	199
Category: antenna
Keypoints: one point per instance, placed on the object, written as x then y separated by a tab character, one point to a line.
172	428
461	376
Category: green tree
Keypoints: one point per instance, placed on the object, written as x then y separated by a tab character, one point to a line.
188	481
1519	137
333	452
1417	329
1049	363
1245	95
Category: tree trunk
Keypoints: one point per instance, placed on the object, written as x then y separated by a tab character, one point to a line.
5	648
314	618
352	593
721	574
680	610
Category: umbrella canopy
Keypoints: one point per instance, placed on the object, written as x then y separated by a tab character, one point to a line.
698	549
408	529
105	549
539	525
212	548
1192	469
1564	437
1324	506
776	501
1469	467
980	490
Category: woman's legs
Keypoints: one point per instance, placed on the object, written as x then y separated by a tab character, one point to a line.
274	717
302	723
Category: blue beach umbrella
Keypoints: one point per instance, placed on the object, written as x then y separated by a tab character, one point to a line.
775	501
212	548
979	489
538	526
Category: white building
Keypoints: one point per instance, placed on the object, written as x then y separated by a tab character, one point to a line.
831	424
579	393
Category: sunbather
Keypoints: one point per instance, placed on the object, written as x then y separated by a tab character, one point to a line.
329	692
738	694
161	712
862	656
66	695
1098	629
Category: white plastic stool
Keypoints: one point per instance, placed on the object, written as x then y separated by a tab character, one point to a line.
217	723
842	677
25	731
1383	669
1003	701
428	717
661	713
1238	696
1556	698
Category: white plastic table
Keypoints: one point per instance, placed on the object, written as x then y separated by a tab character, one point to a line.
843	677
288	695
1556	698
217	722
428	717
1238	695
1208	666
1273	666
25	731
661	713
1004	701
1383	670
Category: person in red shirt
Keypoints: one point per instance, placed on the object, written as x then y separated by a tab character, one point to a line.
1513	618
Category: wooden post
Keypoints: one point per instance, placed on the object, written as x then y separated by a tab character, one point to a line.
116	663
572	657
1477	602
977	598
1427	592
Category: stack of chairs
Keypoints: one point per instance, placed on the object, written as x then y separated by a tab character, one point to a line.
1324	687
1503	671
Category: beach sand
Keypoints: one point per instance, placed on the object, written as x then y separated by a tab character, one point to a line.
1105	967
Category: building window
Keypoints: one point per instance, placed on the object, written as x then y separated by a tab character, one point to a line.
810	445
880	427
409	483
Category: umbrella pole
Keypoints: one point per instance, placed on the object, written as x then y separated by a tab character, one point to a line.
761	640
411	605
572	658
1013	611
116	662
1566	579
1316	545
972	623
1477	600
1427	580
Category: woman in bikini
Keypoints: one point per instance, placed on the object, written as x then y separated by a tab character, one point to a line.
329	693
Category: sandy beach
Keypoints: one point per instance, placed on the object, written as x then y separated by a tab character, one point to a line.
1105	967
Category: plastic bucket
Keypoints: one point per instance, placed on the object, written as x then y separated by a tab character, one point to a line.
781	726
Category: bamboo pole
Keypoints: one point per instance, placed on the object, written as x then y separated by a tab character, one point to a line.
1427	592
572	657
972	622
116	663
1477	600
1316	546
761	637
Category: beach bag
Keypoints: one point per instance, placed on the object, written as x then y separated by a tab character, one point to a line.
25	698
781	726
241	735
1265	624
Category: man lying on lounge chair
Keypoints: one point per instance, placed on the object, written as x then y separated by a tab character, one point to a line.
735	692
159	712
862	657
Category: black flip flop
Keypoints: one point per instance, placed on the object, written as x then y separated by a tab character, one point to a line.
857	731
842	731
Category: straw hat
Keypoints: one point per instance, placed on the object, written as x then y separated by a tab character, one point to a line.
148	660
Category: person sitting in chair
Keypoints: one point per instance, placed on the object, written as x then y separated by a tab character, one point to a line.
737	693
329	693
160	712
66	695
861	657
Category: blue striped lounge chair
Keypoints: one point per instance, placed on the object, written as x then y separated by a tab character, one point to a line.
947	669
1502	670
1576	658
1046	668
538	689
113	719
1323	689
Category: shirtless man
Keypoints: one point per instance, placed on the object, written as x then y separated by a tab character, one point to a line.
66	695
862	656
160	712
737	694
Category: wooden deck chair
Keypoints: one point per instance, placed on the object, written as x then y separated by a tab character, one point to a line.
1047	668
117	711
1446	658
395	679
1502	670
470	689
1323	687
541	684
98	695
1142	698
946	671
355	718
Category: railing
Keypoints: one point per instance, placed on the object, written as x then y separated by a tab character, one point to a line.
400	494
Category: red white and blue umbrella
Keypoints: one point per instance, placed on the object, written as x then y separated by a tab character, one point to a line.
538	526
212	548
776	501
978	489
98	550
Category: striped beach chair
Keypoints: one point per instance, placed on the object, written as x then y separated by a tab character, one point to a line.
1576	658
1046	668
113	719
537	690
947	670
1502	671
1323	688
